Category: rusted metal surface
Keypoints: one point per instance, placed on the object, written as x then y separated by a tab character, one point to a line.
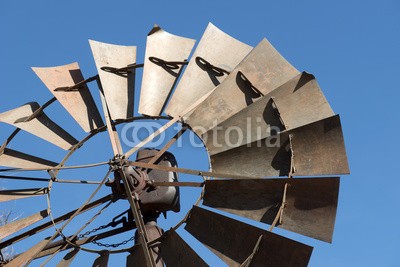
15	226
16	159
177	253
25	258
318	150
41	126
160	199
79	102
68	258
7	195
159	79
187	171
137	257
298	102
44	226
118	88
102	259
310	207
233	241
215	48
260	72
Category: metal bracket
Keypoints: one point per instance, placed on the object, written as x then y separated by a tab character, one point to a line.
173	65
122	71
279	215
77	86
207	66
37	112
247	261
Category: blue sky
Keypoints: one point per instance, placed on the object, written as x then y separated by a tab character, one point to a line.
352	47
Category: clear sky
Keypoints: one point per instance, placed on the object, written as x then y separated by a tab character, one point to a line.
352	47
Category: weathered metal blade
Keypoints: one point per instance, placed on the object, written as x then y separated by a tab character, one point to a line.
160	76
15	226
234	241
7	195
68	258
79	103
296	103
310	207
102	259
16	159
41	126
318	149
215	50
177	253
25	258
118	88
260	72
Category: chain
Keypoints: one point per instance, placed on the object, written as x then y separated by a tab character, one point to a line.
113	245
114	223
94	230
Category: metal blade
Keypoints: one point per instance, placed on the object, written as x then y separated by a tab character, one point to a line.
7	195
68	258
79	103
41	126
16	159
158	78
118	88
25	258
15	226
177	253
215	48
262	71
102	259
234	242
318	149
297	102
310	207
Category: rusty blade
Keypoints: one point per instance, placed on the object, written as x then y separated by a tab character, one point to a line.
159	76
318	149
260	72
68	258
118	88
7	195
234	241
297	102
215	48
177	253
25	258
15	226
310	207
16	159
79	103
102	259
41	126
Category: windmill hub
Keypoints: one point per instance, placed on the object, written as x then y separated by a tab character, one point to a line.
136	178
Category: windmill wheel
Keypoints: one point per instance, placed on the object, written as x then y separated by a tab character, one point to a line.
268	130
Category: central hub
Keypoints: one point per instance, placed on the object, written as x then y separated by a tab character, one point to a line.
137	179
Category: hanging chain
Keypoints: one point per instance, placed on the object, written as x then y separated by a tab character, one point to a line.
113	223
113	245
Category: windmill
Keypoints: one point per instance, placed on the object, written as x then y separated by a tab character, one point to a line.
272	138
